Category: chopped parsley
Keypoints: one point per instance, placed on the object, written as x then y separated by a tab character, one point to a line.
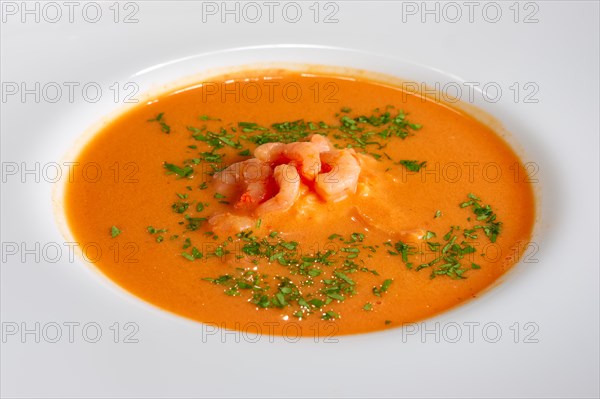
163	126
195	254
180	206
484	213
216	140
412	166
323	277
382	288
185	171
114	231
153	230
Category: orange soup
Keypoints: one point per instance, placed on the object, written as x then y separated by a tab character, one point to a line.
310	202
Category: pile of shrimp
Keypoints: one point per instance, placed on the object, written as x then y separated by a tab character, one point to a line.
272	180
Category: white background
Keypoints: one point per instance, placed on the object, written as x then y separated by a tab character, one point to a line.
558	51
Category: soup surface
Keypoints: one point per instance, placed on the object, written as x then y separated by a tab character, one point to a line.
302	204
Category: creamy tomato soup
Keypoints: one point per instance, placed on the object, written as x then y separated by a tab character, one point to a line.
279	199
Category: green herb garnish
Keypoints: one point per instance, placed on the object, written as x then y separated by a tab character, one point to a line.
413	166
163	126
114	231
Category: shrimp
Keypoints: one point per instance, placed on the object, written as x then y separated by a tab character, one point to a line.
227	181
269	152
288	181
322	142
308	155
342	179
250	177
253	179
256	175
305	154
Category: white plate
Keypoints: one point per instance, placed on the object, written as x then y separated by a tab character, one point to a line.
546	310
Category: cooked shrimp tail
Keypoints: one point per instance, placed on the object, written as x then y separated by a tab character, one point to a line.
288	181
